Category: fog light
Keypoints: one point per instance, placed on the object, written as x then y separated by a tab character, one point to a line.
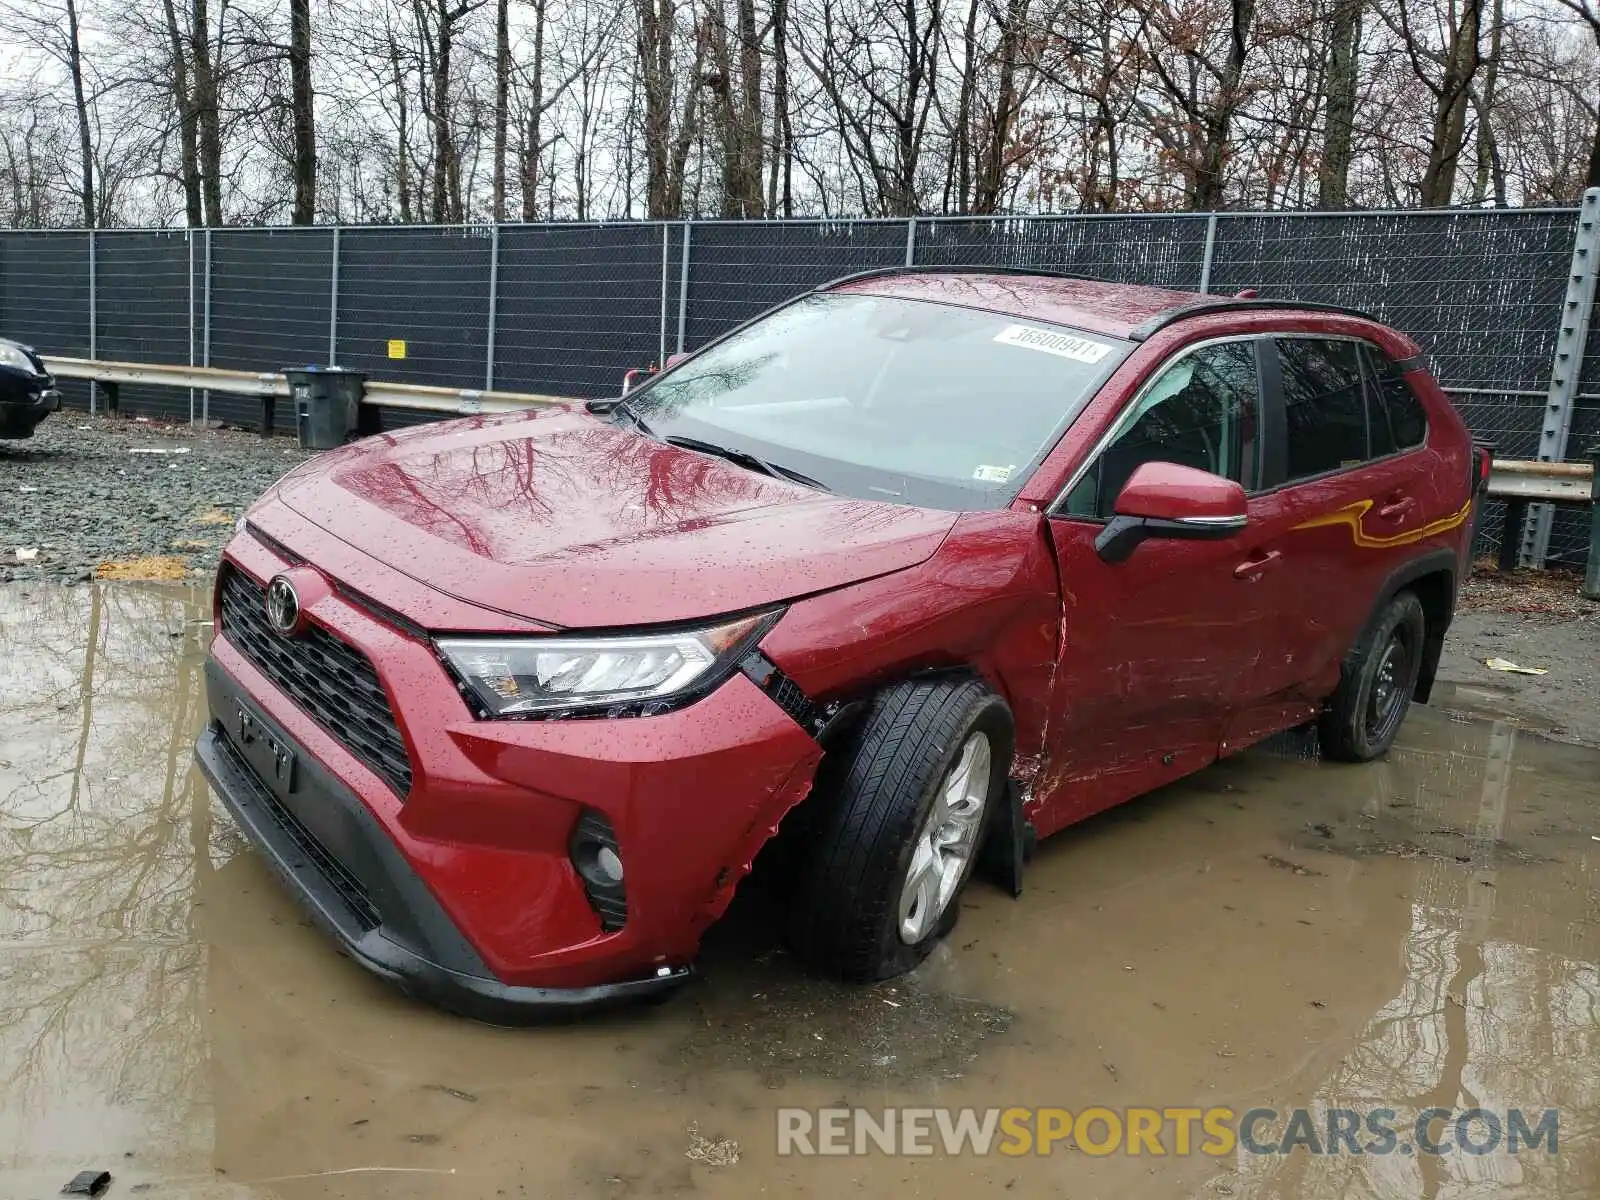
598	861
609	864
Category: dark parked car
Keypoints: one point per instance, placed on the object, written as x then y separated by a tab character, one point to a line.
27	392
909	565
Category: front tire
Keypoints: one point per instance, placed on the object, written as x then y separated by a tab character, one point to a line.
1376	685
895	843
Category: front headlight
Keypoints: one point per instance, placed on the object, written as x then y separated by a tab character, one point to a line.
14	358
511	677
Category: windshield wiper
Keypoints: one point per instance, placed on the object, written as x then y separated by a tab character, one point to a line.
744	459
620	407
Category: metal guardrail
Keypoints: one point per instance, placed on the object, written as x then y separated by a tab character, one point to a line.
1520	482
1545	482
270	386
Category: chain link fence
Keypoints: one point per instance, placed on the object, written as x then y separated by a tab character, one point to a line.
567	308
1164	251
263	299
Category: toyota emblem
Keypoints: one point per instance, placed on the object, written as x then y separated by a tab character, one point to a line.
283	606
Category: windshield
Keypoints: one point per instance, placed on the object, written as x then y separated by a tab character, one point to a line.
886	398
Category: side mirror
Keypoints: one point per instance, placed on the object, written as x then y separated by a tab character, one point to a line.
635	377
1164	500
639	374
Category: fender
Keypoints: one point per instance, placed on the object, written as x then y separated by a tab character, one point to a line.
1435	562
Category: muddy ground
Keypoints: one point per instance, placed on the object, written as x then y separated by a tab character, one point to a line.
1534	619
1275	931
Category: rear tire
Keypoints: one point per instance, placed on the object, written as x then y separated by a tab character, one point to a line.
1376	685
895	841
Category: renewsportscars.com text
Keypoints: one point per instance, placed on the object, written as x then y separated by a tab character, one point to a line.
1217	1132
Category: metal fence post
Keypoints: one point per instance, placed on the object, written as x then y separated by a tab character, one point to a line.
333	303
666	249
93	314
1205	262
1572	336
205	333
683	287
1591	573
188	236
911	241
494	302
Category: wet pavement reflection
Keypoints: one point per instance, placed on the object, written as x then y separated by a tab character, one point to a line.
1275	932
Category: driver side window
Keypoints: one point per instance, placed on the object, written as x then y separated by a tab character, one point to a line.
1201	412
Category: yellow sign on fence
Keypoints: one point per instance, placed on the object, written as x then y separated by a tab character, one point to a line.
397	348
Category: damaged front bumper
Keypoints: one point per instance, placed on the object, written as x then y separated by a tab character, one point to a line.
386	920
466	874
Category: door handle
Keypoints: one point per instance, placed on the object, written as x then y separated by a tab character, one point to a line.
1253	566
1397	509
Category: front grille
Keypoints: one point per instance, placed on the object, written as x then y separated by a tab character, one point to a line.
350	889
333	682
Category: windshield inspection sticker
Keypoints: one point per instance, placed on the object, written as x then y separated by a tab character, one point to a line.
1061	344
988	474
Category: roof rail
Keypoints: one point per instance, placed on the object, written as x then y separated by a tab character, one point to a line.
1220	304
954	269
1200	306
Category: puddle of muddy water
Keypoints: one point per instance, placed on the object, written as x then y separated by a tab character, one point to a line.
1275	932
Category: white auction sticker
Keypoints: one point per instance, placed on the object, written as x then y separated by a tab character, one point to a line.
992	474
1062	344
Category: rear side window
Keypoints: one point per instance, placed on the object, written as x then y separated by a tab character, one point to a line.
1325	413
1398	419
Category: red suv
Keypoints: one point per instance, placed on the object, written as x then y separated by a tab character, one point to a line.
920	564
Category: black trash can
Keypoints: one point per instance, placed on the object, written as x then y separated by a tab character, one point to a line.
327	404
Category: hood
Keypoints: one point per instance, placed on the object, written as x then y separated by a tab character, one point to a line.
569	520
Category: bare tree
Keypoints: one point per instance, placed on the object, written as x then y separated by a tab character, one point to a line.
671	112
304	120
1340	87
877	61
1588	11
1203	87
183	100
502	106
207	106
781	169
736	91
56	30
1446	67
451	110
438	23
994	153
73	51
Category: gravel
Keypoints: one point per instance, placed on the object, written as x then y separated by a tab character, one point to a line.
126	499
